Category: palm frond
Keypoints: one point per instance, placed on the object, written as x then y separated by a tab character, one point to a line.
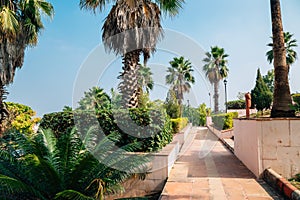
71	195
8	22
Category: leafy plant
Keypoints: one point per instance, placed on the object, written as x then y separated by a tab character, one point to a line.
261	96
237	104
21	118
178	124
224	121
41	166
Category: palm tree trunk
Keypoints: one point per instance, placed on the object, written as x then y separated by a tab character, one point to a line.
216	96
3	111
128	86
282	96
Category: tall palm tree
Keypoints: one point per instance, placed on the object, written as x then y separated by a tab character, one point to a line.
180	78
44	167
132	28
282	100
291	54
216	69
20	24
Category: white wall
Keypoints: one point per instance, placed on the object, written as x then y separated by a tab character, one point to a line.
265	143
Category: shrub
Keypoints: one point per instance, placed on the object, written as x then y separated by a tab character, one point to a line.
224	121
296	98
237	104
196	116
178	124
173	110
21	118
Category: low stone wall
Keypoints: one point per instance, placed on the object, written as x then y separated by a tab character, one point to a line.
268	143
161	166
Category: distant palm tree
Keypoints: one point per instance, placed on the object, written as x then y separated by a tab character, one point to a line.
44	167
145	79
20	24
216	70
132	28
180	78
290	44
282	100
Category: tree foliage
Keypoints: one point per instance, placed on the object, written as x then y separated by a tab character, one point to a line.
261	96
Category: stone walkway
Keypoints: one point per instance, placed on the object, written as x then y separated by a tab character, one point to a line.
205	169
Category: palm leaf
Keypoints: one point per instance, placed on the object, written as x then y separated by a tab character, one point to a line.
8	22
71	195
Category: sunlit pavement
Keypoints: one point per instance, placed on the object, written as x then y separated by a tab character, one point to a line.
208	170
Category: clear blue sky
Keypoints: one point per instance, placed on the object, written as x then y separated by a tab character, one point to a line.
241	27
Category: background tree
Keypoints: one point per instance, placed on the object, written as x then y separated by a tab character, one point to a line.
180	78
139	24
261	96
282	100
146	83
290	44
269	79
216	70
20	25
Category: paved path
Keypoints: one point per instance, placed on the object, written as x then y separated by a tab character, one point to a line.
207	170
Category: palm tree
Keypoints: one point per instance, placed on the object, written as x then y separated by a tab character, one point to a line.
282	100
180	78
145	79
44	167
216	70
291	54
20	24
132	28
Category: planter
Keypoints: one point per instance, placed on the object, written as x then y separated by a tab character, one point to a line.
161	166
268	143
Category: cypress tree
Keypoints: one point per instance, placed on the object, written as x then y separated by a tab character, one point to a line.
261	95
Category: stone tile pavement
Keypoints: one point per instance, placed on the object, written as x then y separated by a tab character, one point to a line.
206	169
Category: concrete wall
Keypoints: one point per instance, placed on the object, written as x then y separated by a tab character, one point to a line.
264	143
161	165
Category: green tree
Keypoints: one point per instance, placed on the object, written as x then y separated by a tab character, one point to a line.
269	79
132	28
171	105
290	44
20	25
216	69
44	167
261	96
180	78
282	100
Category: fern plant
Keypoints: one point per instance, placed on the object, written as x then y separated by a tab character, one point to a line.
43	167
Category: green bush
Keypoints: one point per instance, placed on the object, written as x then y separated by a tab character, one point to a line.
178	124
21	118
172	109
237	104
196	116
296	98
224	121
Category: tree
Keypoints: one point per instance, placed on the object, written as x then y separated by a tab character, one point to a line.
180	78
269	80
145	83
44	167
261	96
132	28
291	54
282	100
216	70
20	25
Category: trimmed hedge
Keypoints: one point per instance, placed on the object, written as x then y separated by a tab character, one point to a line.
151	128
237	104
224	121
178	124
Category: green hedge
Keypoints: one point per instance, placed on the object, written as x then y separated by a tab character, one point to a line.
151	128
224	121
237	104
178	124
296	98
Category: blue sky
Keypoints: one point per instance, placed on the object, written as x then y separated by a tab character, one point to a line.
49	75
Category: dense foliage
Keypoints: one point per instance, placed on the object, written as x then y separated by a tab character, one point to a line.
237	104
261	96
178	124
21	118
40	166
224	121
196	116
149	126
